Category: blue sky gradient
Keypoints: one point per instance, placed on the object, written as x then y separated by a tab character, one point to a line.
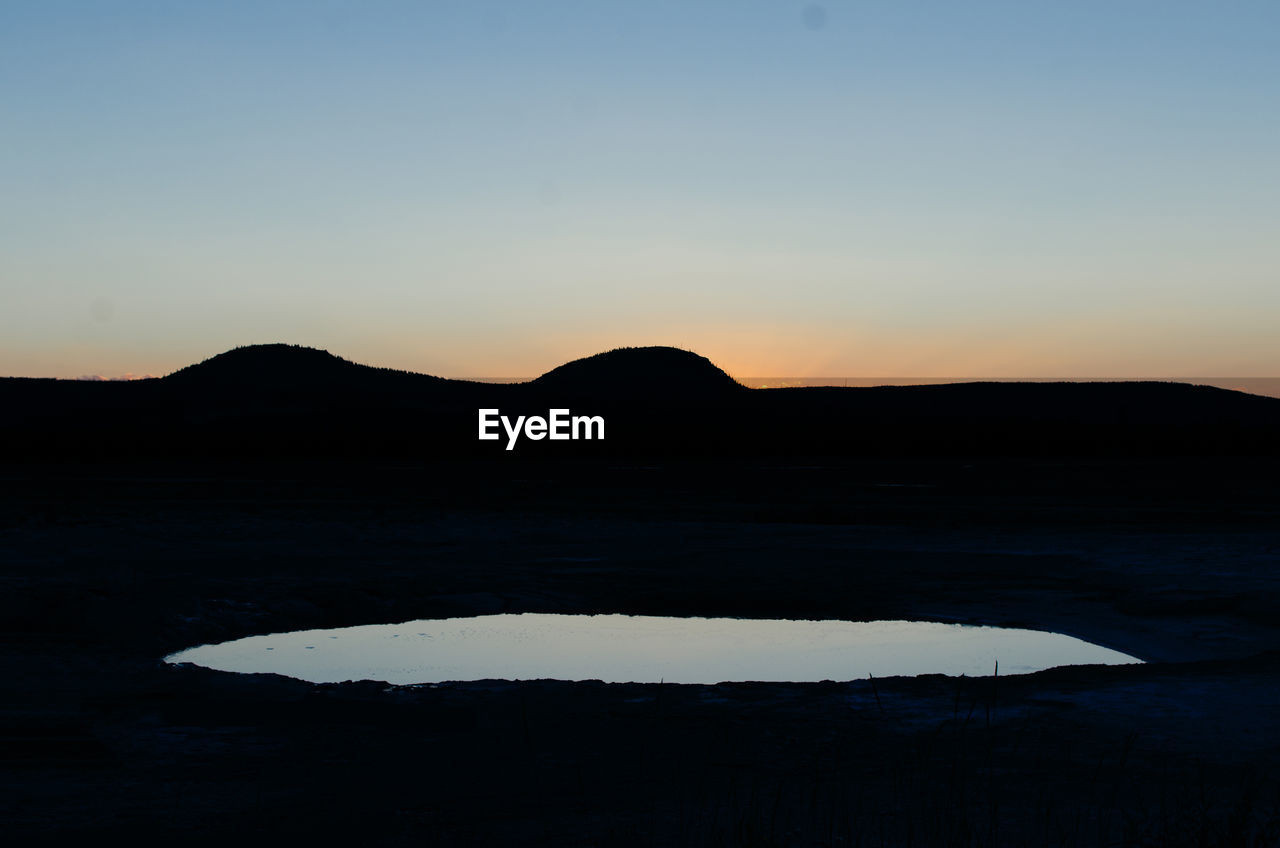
484	188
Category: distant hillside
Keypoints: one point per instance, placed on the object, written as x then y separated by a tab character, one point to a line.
1131	418
283	366
640	370
278	400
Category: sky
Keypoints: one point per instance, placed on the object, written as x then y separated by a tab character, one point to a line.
858	187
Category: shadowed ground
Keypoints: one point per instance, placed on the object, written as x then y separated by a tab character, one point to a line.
106	569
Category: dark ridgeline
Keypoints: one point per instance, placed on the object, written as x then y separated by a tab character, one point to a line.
288	401
288	368
651	371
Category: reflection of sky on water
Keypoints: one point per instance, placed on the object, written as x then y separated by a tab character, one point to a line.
621	648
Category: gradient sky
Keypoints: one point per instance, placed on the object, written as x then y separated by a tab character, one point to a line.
880	187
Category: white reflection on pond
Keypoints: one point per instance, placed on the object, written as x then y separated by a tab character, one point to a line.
625	648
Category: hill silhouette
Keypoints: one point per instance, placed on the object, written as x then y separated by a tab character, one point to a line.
640	370
284	366
281	400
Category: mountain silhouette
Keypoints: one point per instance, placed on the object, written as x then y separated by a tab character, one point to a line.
640	370
278	367
281	400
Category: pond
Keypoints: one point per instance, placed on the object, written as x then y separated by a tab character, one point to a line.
626	648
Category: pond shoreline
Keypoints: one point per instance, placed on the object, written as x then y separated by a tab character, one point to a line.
107	573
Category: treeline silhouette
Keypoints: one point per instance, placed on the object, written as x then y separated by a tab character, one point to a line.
288	401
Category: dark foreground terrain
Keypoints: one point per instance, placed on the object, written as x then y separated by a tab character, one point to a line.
108	567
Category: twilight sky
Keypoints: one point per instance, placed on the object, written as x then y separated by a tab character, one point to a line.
862	187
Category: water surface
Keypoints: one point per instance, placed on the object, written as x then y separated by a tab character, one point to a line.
624	648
